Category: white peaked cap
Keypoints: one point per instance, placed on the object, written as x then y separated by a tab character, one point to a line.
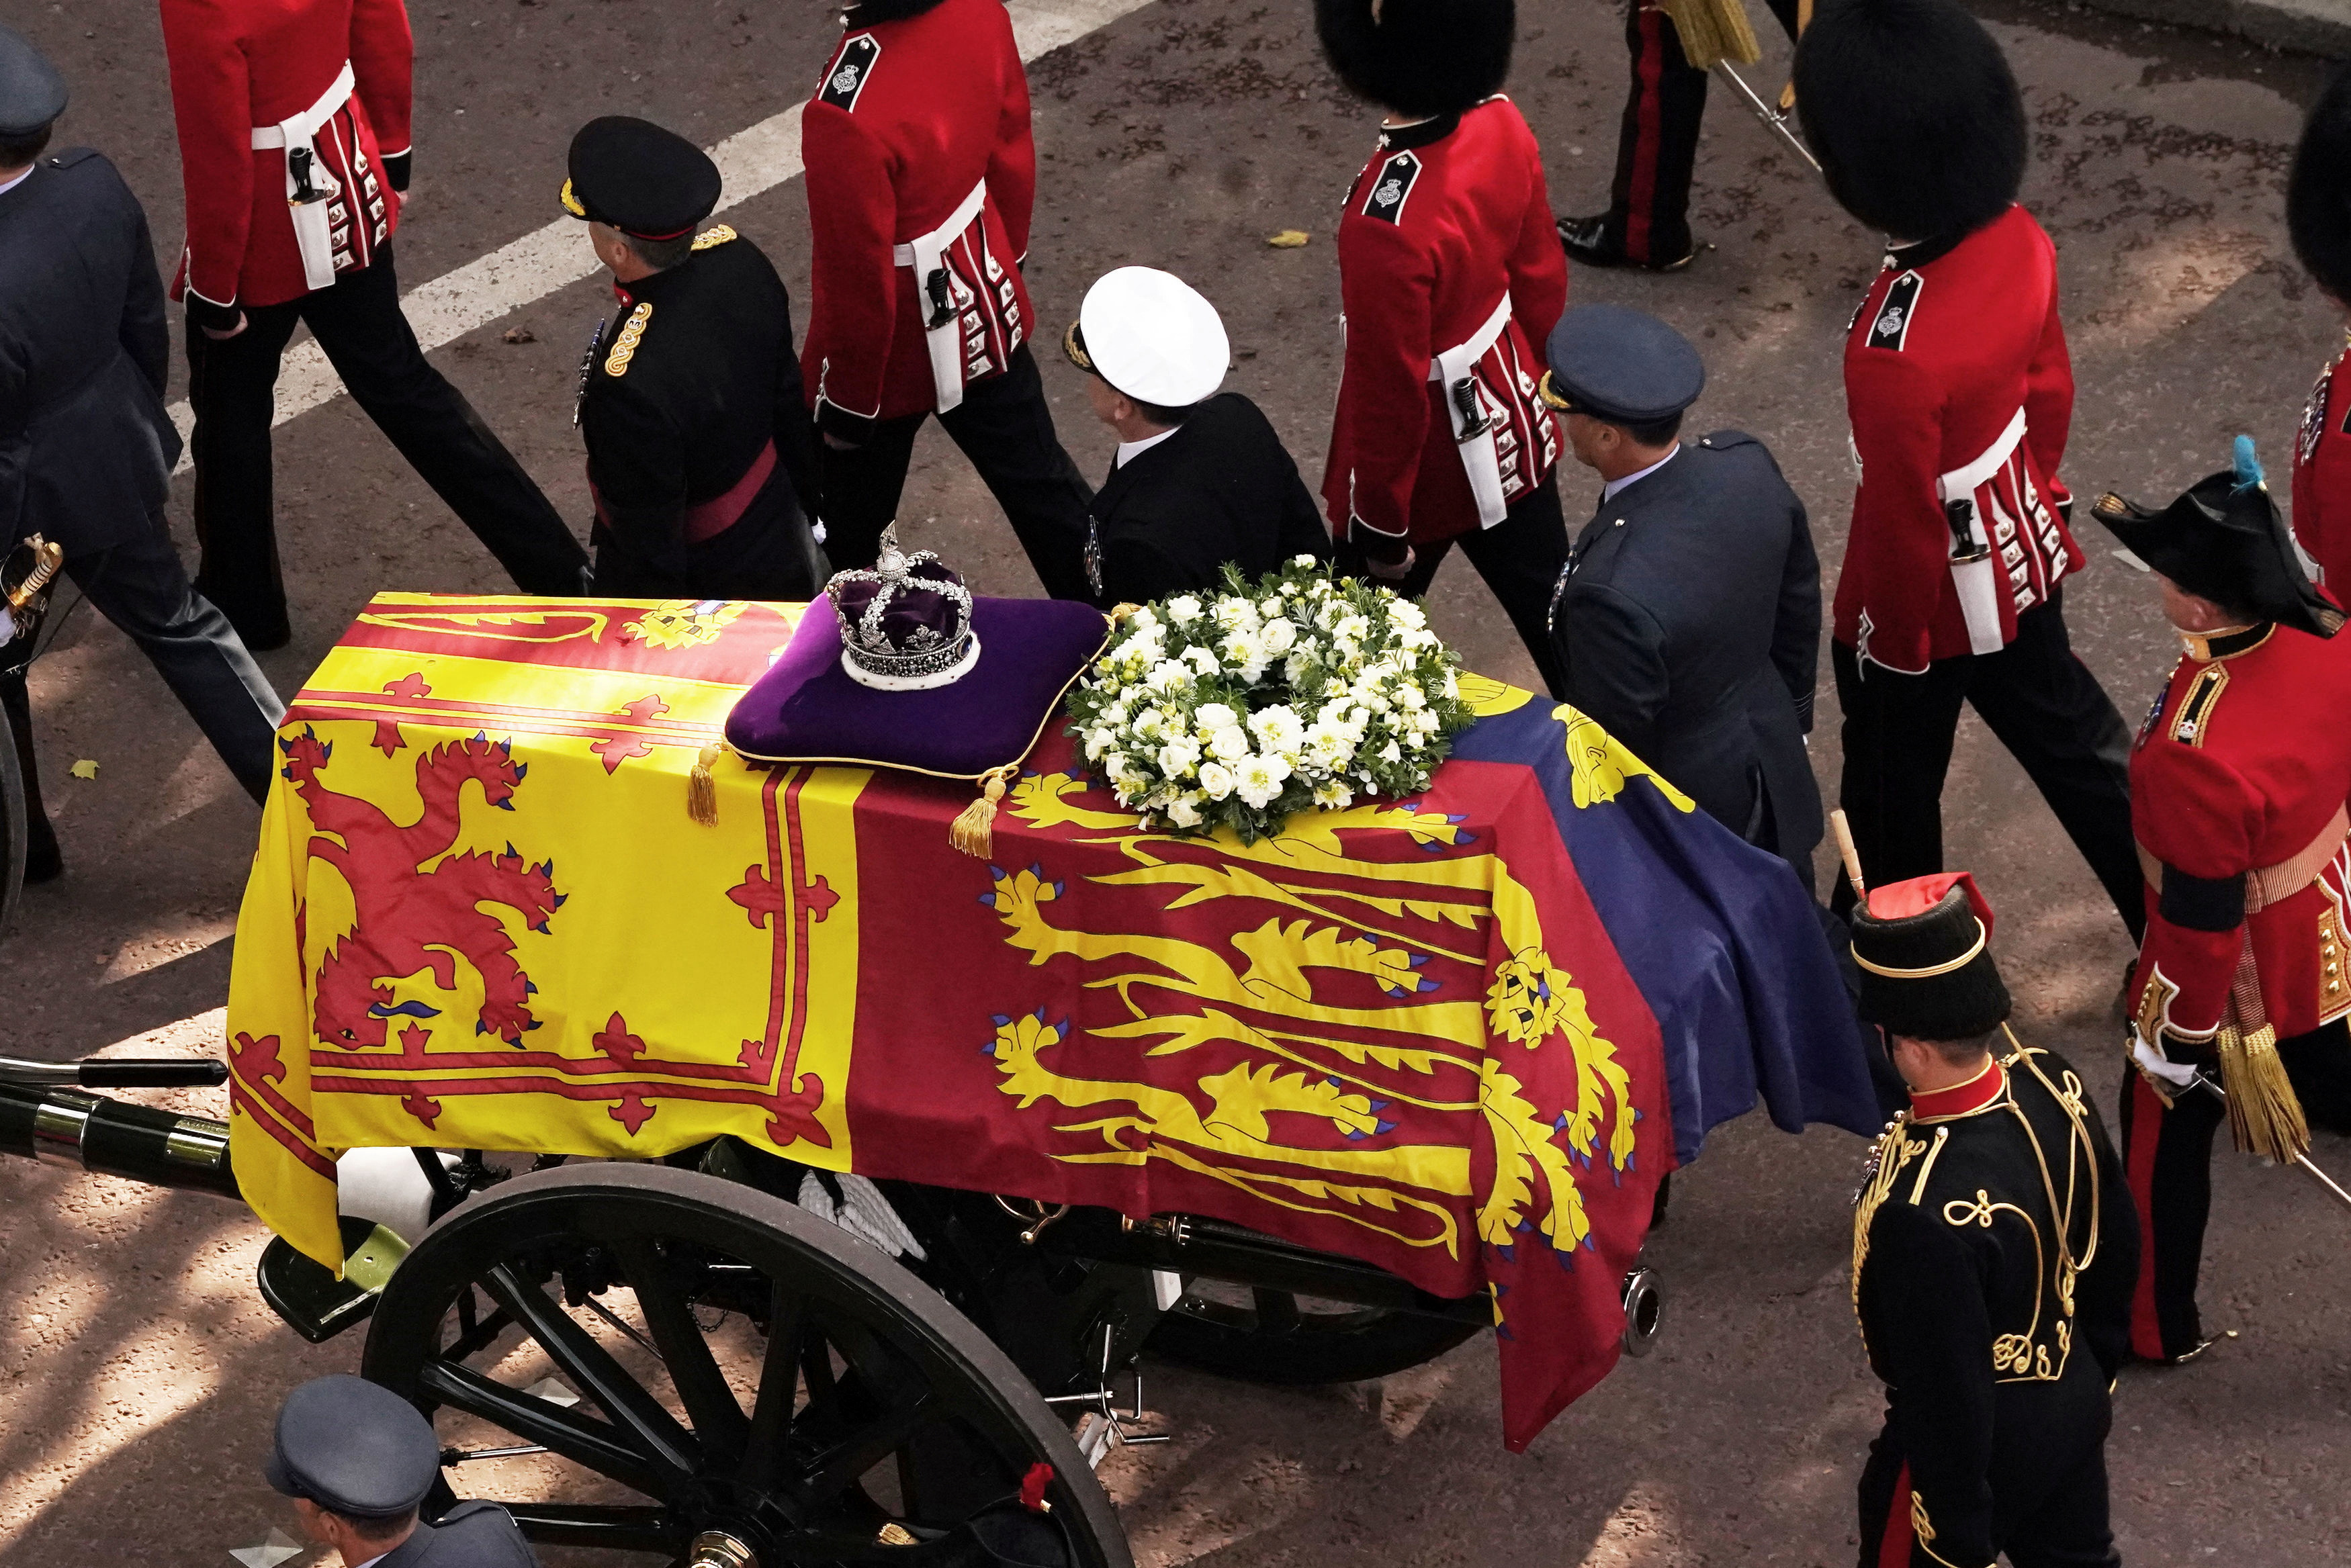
1153	336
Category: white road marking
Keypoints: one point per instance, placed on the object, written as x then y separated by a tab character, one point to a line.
751	163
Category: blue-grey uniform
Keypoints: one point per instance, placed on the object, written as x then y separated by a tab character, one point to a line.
357	1448
85	448
1687	620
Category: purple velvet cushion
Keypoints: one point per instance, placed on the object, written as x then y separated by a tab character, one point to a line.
806	709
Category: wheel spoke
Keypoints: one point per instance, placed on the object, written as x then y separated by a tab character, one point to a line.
614	1527
702	1387
833	1470
1277	1312
593	1443
649	1429
779	1378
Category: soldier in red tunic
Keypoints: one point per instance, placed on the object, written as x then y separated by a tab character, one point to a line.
1450	270
1960	395
2318	215
921	175
293	120
2238	802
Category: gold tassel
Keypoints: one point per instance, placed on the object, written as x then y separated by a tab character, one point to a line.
974	829
1713	30
2264	1117
701	789
1121	611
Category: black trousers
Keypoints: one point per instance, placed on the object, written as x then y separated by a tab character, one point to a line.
142	588
1521	558
1648	207
2062	1521
358	323
2168	1152
2047	710
1006	427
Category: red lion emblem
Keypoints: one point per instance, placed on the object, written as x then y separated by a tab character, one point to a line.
410	918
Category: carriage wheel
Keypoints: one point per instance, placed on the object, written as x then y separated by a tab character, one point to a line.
1273	1336
864	1421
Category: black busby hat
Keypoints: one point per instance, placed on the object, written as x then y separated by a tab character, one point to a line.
2319	192
1914	114
32	94
647	182
1419	57
1924	948
2224	540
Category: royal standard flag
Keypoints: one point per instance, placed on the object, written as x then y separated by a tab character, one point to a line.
1460	1036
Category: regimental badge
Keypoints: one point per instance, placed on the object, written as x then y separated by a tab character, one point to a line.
850	71
1392	188
2313	417
1891	330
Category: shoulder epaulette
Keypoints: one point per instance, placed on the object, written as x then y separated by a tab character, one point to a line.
1392	188
2195	706
1891	330
716	234
851	69
624	341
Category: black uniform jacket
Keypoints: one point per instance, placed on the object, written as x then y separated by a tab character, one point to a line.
85	448
1995	1314
1689	625
1221	488
470	1535
691	407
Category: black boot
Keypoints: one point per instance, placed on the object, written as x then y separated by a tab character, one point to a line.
1590	242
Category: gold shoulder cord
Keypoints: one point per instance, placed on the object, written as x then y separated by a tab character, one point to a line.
2070	1103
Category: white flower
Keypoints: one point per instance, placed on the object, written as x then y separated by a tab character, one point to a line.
1210	717
1328	745
1235	614
1183	610
1280	635
1452	684
1169	675
1230	743
1203	660
1389	753
1305	560
1176	757
1410	698
1332	796
1259	779
1143	620
1277	727
1216	779
1424	720
1183	811
1100	739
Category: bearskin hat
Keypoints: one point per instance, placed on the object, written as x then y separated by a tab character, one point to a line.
1419	57
1914	114
2318	192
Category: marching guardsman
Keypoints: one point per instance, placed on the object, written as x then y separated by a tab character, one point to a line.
921	176
1647	224
1687	620
293	120
2239	782
1960	395
690	404
86	448
1200	480
1451	277
1994	1252
2318	215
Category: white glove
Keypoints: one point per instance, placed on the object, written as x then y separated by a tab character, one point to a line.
2152	1062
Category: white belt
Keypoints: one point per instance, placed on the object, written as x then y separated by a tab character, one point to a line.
312	235
944	338
1977	583
1473	427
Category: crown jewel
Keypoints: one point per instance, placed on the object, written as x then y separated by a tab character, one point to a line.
905	625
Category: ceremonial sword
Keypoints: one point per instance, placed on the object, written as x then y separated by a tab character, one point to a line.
2320	1176
1773	119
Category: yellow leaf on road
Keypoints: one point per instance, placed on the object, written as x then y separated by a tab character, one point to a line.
1288	240
84	769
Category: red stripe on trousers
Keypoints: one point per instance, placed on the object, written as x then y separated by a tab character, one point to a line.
2146	1131
1894	1546
1649	71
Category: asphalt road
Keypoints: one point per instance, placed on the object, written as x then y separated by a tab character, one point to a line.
138	1371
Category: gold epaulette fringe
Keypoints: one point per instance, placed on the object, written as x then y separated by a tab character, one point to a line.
1714	30
973	828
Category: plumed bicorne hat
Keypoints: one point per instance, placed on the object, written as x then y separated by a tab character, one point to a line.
2319	192
2222	539
1914	114
1419	57
1924	948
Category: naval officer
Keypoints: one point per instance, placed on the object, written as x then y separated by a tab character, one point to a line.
1687	619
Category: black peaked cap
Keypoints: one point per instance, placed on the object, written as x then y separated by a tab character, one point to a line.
1419	57
1929	974
354	1448
32	94
647	182
1914	114
2225	540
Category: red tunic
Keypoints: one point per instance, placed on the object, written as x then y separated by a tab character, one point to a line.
1944	355
909	117
1441	224
2230	775
2322	479
237	65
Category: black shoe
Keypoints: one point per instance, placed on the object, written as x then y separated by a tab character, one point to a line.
43	863
1589	242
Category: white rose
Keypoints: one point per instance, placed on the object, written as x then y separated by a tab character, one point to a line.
1389	753
1176	757
1203	660
1216	779
1230	743
1099	739
1425	721
1183	811
1407	613
1280	635
1410	699
1304	561
1210	717
1183	610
